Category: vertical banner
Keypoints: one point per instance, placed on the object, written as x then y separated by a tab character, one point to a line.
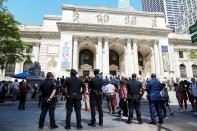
66	56
165	57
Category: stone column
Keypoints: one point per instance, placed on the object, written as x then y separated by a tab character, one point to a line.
106	58
152	61
99	54
135	55
75	54
17	68
157	60
130	65
126	61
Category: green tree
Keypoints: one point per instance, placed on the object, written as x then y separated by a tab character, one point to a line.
11	45
192	55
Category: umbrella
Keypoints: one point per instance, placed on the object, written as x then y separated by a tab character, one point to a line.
21	75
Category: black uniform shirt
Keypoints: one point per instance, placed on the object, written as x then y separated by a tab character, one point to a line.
73	85
133	86
46	87
96	83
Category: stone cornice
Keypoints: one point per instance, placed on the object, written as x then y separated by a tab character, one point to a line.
112	11
52	17
40	34
176	41
62	26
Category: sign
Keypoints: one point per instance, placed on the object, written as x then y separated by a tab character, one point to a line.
194	38
66	56
193	28
165	56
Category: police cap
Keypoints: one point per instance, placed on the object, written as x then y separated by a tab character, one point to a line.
96	71
73	72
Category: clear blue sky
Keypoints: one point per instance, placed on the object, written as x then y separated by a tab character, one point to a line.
32	11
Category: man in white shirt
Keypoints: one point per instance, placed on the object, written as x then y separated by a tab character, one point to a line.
15	88
110	90
193	88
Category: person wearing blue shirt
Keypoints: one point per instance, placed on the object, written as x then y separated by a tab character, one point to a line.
153	90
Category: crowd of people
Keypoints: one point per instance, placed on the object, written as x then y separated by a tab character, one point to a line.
123	95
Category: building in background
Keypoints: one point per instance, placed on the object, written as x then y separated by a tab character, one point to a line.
125	4
188	16
171	9
118	42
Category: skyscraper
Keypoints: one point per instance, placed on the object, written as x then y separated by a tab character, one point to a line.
188	16
153	5
171	9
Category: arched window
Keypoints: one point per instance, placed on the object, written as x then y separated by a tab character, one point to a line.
86	57
183	71
26	66
113	58
194	70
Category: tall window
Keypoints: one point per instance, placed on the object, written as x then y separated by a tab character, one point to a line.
10	70
180	54
113	58
26	66
86	57
183	71
194	70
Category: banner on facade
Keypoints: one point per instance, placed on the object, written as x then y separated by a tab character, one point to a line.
65	56
165	57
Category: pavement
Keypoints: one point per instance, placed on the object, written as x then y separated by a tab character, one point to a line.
12	119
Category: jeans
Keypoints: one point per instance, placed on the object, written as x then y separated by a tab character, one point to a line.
155	106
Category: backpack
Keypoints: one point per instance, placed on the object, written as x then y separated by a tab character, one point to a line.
164	94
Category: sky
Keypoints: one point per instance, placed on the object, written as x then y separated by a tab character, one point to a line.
32	11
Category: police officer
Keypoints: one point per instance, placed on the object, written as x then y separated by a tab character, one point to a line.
48	90
73	85
134	90
95	86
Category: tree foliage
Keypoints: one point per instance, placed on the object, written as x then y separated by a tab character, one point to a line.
11	45
192	55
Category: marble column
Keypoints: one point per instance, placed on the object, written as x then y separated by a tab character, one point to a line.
18	68
99	54
157	60
126	61
106	58
135	57
130	65
152	61
75	54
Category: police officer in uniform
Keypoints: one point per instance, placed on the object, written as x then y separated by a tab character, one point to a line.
48	90
73	85
95	86
134	88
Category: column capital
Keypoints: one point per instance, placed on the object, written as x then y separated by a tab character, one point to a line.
155	42
106	39
135	41
76	38
99	38
128	40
